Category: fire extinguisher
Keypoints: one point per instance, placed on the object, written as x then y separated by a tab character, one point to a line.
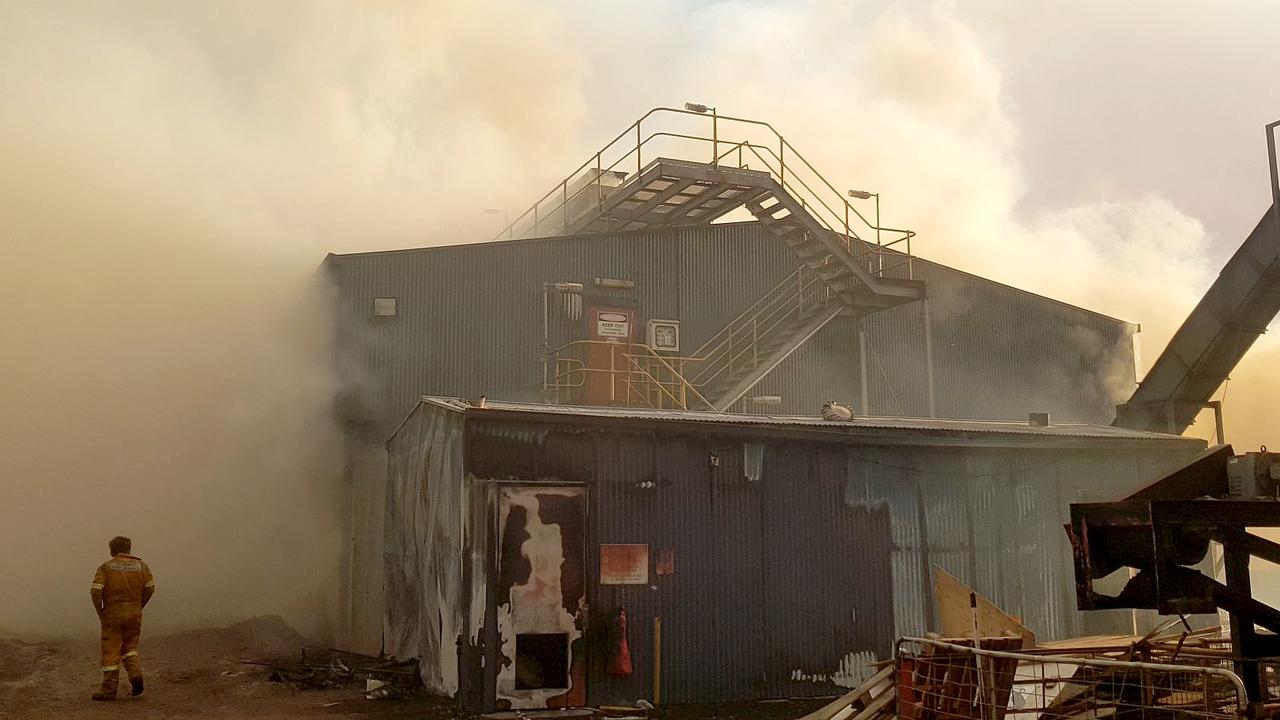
620	661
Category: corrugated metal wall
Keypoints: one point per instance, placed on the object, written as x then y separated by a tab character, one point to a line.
427	604
789	585
471	324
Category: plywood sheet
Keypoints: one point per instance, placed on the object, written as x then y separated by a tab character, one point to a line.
956	614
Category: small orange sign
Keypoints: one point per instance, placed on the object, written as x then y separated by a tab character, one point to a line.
624	564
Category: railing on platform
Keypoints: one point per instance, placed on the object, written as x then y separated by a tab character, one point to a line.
640	376
952	680
744	342
744	142
635	376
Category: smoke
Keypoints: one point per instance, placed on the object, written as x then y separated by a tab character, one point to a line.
913	100
172	174
171	177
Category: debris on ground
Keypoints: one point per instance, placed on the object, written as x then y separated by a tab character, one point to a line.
380	678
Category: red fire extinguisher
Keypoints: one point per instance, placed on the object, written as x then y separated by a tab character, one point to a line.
620	663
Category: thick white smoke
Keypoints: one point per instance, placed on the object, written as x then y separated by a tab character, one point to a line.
171	175
912	100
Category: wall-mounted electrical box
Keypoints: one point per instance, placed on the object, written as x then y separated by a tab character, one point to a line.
664	335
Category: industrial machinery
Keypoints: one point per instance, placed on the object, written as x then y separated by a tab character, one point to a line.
1223	326
1173	533
1186	537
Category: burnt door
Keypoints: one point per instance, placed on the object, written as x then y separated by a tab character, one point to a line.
541	596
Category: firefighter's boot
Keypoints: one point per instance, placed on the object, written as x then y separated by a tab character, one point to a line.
110	681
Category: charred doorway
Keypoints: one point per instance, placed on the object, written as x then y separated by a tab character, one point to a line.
541	596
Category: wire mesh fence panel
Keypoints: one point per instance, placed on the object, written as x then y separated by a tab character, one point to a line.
952	680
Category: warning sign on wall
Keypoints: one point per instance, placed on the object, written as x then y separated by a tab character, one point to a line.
624	564
613	325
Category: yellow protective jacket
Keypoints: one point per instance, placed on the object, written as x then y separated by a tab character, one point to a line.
121	587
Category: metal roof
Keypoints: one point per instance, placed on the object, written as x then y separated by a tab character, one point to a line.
924	430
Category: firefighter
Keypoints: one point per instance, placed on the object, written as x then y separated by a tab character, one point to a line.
121	588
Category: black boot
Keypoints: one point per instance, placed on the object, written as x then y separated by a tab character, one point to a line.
136	684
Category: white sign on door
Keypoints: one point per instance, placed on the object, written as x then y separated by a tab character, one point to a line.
613	325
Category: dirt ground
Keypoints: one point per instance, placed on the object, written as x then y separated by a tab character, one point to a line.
198	674
202	674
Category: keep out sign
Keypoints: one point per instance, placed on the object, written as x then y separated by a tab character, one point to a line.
612	325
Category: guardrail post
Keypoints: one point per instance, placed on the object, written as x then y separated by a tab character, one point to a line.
755	344
782	162
599	186
564	204
639	142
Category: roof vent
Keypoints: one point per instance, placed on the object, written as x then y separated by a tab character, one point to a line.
1038	419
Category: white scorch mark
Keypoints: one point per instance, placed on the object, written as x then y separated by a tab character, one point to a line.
854	669
537	605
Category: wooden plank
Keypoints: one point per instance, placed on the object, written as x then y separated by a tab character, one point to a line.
876	706
828	711
956	614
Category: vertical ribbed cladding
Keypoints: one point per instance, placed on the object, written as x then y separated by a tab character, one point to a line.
789	585
471	324
723	270
702	605
738	514
993	518
1036	351
622	512
824	368
696	635
828	595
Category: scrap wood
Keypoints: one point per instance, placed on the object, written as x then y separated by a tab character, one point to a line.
614	710
876	688
941	683
881	705
956	613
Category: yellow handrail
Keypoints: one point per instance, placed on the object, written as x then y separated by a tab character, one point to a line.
634	353
775	163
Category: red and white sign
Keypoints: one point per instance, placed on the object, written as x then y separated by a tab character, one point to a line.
613	325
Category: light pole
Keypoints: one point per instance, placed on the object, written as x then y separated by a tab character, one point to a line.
715	141
865	195
506	218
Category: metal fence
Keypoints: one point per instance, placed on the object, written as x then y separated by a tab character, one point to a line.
940	680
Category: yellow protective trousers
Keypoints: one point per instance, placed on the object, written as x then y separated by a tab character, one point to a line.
120	635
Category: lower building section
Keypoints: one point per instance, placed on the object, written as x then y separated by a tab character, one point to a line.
572	561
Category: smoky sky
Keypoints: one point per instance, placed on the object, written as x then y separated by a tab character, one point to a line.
172	175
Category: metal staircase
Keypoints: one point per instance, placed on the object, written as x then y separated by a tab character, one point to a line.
729	364
840	272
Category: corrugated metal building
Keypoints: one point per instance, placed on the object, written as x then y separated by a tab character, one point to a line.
768	556
468	321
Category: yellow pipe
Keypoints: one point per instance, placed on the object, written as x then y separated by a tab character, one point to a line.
657	660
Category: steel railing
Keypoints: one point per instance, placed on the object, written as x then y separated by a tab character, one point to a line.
746	340
636	375
622	160
941	680
742	345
